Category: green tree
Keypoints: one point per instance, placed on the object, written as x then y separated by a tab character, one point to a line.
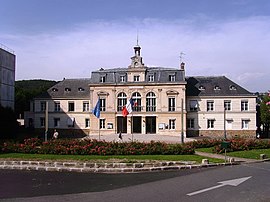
265	114
26	90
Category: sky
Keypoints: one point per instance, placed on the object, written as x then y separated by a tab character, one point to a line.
56	39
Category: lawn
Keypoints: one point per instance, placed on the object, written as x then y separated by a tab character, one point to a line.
122	158
250	154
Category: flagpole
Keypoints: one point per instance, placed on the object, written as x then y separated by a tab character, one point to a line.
99	122
132	126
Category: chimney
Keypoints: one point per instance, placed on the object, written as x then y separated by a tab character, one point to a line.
182	66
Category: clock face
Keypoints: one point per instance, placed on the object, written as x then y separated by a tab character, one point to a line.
136	64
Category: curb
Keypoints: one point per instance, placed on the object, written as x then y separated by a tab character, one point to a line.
88	167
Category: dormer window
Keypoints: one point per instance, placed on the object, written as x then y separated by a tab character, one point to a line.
67	89
102	79
201	88
136	78
151	78
54	89
232	87
172	77
217	88
80	89
122	78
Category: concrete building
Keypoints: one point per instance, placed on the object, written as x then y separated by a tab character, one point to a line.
7	76
166	103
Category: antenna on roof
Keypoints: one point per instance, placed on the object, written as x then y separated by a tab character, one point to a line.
181	56
137	37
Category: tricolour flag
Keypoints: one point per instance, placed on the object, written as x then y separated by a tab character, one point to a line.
127	109
96	110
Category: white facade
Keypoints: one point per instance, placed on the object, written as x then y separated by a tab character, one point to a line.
210	115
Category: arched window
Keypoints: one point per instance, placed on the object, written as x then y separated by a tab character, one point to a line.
121	101
150	102
136	97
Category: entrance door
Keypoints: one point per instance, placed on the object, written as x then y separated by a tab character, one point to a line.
137	124
121	124
151	124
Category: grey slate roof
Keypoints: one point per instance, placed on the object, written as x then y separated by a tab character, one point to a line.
213	86
68	88
161	75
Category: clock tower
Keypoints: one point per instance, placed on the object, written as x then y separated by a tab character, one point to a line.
136	60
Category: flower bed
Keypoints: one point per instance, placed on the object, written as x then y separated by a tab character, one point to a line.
94	147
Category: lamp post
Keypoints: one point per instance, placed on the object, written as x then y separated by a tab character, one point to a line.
225	135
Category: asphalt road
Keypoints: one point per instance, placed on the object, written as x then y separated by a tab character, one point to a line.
158	186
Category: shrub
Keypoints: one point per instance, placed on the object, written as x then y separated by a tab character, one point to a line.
94	147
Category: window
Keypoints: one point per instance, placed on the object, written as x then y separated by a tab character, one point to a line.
244	105
102	104
122	78
172	77
190	123
70	121
193	105
229	123
42	122
56	122
67	89
210	105
245	124
57	107
210	123
121	101
102	79
137	100
151	78
71	106
102	123
232	87
172	124
80	89
85	106
227	105
217	88
87	123
171	104
42	106
136	78
150	102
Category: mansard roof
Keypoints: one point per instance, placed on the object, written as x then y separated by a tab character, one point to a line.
161	75
213	86
68	88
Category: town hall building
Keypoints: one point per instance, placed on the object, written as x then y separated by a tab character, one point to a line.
166	102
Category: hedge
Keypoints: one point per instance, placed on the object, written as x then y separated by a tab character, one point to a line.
94	147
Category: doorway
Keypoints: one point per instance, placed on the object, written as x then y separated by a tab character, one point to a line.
121	124
137	124
151	124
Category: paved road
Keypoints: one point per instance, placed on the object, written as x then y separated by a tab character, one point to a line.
160	186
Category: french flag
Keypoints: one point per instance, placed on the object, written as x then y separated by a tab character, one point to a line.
127	109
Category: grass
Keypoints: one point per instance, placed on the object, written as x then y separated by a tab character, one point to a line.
122	158
250	154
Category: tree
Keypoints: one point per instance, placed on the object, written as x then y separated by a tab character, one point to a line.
8	123
265	114
26	90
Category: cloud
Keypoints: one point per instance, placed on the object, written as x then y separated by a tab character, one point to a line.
238	49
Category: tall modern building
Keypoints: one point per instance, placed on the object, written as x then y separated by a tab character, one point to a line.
7	76
165	102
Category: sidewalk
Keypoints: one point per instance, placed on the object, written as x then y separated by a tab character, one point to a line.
220	156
